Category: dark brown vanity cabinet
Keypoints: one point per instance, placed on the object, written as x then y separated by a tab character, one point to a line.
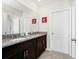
41	45
24	50
30	49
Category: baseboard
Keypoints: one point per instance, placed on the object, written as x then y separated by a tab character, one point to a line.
48	49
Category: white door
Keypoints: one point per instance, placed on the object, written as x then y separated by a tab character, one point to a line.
60	31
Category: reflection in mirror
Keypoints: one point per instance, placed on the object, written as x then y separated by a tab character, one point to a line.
9	18
6	24
15	25
15	21
10	25
25	25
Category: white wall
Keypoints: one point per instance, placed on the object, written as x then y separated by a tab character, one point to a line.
46	10
58	5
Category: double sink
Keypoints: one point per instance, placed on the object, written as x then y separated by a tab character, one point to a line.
12	39
17	37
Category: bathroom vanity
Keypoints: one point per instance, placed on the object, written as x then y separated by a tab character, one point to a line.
29	47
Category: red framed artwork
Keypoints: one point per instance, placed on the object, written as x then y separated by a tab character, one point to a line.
33	21
44	19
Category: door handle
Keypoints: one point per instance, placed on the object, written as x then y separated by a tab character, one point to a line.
74	40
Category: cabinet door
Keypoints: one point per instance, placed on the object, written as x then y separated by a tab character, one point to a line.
33	48
16	56
26	54
32	53
9	51
29	51
41	44
44	42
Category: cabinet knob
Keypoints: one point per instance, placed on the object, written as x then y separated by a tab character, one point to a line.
26	53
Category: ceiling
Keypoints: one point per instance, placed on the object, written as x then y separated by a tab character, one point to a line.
42	2
46	2
20	6
14	4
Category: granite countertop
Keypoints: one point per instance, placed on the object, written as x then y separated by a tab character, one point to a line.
9	42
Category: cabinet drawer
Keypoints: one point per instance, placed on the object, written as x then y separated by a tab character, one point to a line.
27	44
41	45
9	51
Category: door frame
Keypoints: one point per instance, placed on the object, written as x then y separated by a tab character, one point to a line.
69	28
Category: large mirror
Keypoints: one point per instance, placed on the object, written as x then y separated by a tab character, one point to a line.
18	20
10	22
6	24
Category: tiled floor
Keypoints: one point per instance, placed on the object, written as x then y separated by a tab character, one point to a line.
54	55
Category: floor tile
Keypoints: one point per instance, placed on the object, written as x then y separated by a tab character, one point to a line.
53	55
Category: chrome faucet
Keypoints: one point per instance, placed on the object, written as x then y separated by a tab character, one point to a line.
12	36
